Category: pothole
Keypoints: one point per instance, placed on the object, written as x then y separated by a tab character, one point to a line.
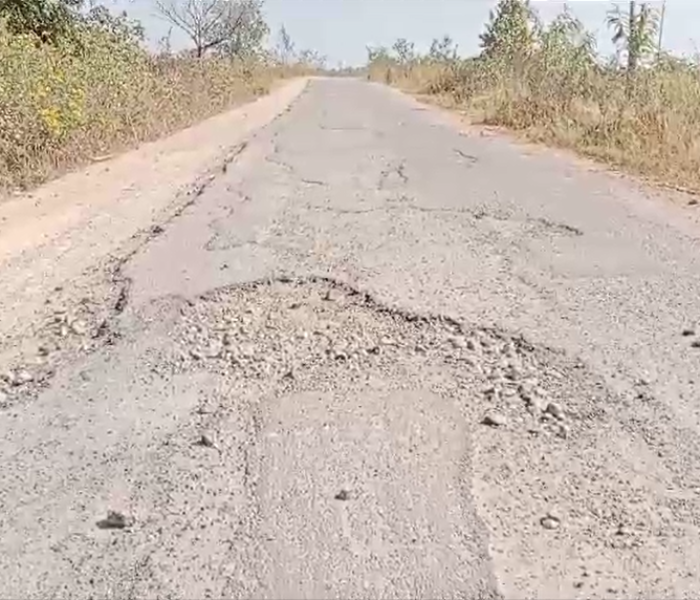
309	333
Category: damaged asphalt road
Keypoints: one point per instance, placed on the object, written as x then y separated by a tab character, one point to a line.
376	358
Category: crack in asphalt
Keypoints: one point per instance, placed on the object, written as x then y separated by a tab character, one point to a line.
477	213
468	157
399	170
100	323
316	182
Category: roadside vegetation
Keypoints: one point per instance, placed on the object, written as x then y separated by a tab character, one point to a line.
639	109
77	82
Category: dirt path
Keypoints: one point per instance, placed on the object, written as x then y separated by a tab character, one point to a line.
372	357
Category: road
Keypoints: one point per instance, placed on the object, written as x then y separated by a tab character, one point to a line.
376	355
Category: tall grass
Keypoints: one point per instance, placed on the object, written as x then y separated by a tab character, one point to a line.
647	122
61	105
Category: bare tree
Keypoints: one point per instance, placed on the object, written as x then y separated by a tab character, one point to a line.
285	46
216	24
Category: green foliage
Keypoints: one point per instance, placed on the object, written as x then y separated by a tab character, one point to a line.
119	26
243	30
443	49
48	20
511	30
634	32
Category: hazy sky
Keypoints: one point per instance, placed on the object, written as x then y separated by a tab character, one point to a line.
342	29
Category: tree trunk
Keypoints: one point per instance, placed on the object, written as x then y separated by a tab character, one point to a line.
632	40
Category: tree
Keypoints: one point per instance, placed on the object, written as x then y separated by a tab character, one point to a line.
378	55
313	59
566	42
405	51
119	25
244	31
232	27
443	50
634	32
510	32
47	19
285	46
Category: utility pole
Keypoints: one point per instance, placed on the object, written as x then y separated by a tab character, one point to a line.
661	30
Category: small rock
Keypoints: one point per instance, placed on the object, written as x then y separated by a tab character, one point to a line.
331	296
458	342
343	496
695	344
494	419
246	351
9	377
63	331
564	431
550	522
622	530
205	441
114	520
491	392
471	344
555	410
43	351
514	373
688	332
196	354
23	377
508	392
79	327
471	361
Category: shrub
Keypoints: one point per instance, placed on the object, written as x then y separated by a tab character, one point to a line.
92	93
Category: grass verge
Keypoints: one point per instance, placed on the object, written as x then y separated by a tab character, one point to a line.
66	104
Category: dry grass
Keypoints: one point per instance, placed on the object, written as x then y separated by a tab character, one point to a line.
62	106
649	124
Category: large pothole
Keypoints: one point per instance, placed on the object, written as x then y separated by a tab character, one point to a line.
297	438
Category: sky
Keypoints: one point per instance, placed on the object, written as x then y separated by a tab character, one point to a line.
341	30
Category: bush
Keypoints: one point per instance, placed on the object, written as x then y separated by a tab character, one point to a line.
93	93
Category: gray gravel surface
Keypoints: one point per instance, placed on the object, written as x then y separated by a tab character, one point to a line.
379	358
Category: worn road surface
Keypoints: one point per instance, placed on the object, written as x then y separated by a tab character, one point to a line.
371	355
